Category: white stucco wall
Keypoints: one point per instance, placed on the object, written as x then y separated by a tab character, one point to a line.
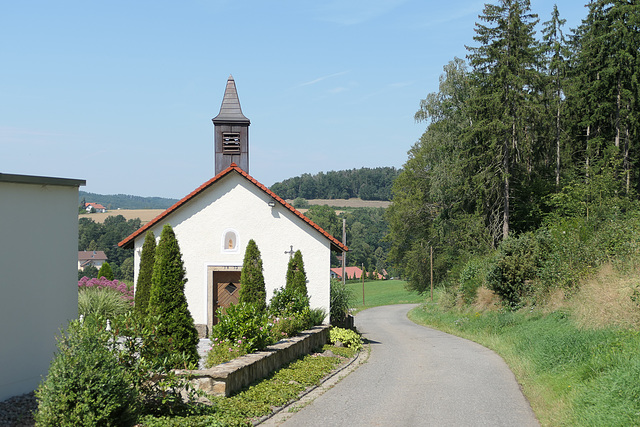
233	203
38	278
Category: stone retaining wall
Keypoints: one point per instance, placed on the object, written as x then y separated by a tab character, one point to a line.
230	377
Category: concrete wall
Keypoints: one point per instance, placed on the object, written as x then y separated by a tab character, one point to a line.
38	275
235	204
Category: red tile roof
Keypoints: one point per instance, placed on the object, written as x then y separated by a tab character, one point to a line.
128	242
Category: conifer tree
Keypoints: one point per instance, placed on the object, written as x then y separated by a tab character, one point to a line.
176	331
296	276
143	286
506	74
252	289
105	271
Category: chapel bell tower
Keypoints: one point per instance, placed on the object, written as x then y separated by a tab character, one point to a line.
231	132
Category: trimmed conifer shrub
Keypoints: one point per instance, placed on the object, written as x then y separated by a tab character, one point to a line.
105	271
296	276
252	289
143	286
176	332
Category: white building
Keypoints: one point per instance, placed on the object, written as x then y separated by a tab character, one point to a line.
214	223
39	276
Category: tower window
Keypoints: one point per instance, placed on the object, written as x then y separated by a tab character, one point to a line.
230	143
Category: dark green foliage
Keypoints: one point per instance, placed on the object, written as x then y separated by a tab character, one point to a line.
515	266
341	298
143	286
86	385
365	183
124	201
252	289
105	237
296	276
105	271
176	331
243	322
91	272
287	301
325	216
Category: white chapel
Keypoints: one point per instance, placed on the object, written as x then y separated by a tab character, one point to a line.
214	222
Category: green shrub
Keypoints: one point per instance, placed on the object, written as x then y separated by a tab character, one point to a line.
515	266
472	276
317	316
86	385
105	271
253	290
244	322
176	331
104	302
347	337
341	298
288	301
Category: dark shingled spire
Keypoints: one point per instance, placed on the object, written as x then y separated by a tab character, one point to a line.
230	111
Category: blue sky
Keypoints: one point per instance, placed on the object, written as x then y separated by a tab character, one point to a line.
121	93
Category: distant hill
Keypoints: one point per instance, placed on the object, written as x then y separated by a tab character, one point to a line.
365	183
124	201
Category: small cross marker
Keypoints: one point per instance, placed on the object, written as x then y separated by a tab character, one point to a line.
290	252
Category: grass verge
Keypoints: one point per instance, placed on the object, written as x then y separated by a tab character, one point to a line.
572	376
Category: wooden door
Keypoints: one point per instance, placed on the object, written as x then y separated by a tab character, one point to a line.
226	287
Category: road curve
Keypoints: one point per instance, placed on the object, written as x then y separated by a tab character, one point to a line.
418	376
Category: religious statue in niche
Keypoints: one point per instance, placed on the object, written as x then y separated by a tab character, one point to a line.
230	241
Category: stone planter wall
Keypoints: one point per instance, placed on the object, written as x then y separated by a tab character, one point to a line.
230	377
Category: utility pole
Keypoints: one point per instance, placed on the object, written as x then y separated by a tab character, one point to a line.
362	275
344	254
431	273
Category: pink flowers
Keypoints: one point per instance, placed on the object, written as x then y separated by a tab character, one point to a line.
101	283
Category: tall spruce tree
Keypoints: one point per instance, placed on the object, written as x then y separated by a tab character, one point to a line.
506	76
296	276
252	289
556	57
143	285
176	331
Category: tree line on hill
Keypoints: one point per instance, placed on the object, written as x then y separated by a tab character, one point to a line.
124	201
93	236
527	131
364	183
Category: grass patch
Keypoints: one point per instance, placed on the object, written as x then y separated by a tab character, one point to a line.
382	292
572	376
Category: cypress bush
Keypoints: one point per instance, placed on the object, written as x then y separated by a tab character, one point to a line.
252	290
176	331
296	276
105	271
143	286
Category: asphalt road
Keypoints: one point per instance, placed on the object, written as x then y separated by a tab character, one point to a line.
417	376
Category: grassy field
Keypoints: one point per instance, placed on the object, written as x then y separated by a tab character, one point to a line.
382	292
145	215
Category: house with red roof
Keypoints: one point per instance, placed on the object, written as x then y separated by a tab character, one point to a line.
350	273
214	222
94	207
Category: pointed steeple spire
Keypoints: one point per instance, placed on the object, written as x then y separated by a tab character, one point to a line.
231	132
230	111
